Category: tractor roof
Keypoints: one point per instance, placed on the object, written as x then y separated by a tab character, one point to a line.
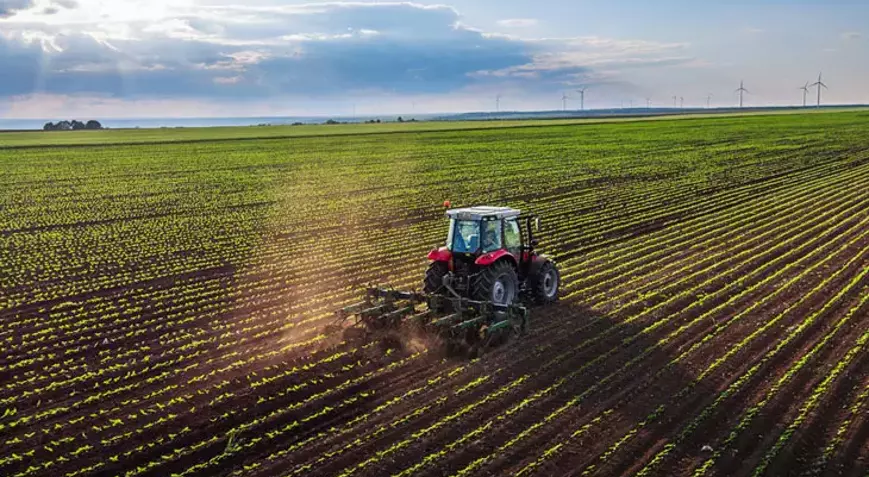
481	211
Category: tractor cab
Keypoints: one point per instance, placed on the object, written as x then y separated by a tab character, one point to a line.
478	230
487	234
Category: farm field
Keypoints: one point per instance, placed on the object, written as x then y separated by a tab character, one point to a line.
161	303
192	134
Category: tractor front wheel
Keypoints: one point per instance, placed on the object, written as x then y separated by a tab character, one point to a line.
497	284
544	284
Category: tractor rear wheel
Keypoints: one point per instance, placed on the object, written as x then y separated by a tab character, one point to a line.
544	284
434	281
497	284
434	277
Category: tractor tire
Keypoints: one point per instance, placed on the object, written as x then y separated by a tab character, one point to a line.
544	283
434	283
434	277
497	284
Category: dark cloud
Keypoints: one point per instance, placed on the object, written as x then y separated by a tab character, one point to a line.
9	7
21	61
399	66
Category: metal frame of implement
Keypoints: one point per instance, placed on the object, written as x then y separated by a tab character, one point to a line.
387	308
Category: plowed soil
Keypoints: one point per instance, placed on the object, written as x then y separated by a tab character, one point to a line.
162	306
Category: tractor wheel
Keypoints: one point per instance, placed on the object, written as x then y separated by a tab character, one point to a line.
434	277
434	283
544	284
497	284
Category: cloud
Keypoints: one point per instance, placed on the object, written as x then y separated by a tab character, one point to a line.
753	30
239	52
573	61
518	22
9	7
851	35
228	79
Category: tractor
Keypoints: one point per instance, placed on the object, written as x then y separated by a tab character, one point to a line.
477	288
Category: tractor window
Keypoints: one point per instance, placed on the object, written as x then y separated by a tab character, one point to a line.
491	235
512	236
465	236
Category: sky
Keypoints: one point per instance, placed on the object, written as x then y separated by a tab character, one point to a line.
221	58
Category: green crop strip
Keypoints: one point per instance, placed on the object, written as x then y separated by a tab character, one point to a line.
577	400
579	371
162	293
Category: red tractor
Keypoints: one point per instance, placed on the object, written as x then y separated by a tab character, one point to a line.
476	286
487	258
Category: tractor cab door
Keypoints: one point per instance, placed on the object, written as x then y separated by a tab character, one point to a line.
491	235
513	240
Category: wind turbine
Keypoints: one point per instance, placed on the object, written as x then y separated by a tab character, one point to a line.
564	99
681	102
805	92
741	90
819	83
674	101
497	102
581	92
648	103
708	100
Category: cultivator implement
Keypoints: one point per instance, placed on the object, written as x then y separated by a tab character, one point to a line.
457	320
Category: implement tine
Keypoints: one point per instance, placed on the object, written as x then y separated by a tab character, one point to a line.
394	318
447	320
394	295
420	320
468	323
352	309
383	307
373	312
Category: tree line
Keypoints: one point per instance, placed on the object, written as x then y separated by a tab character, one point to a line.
71	125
